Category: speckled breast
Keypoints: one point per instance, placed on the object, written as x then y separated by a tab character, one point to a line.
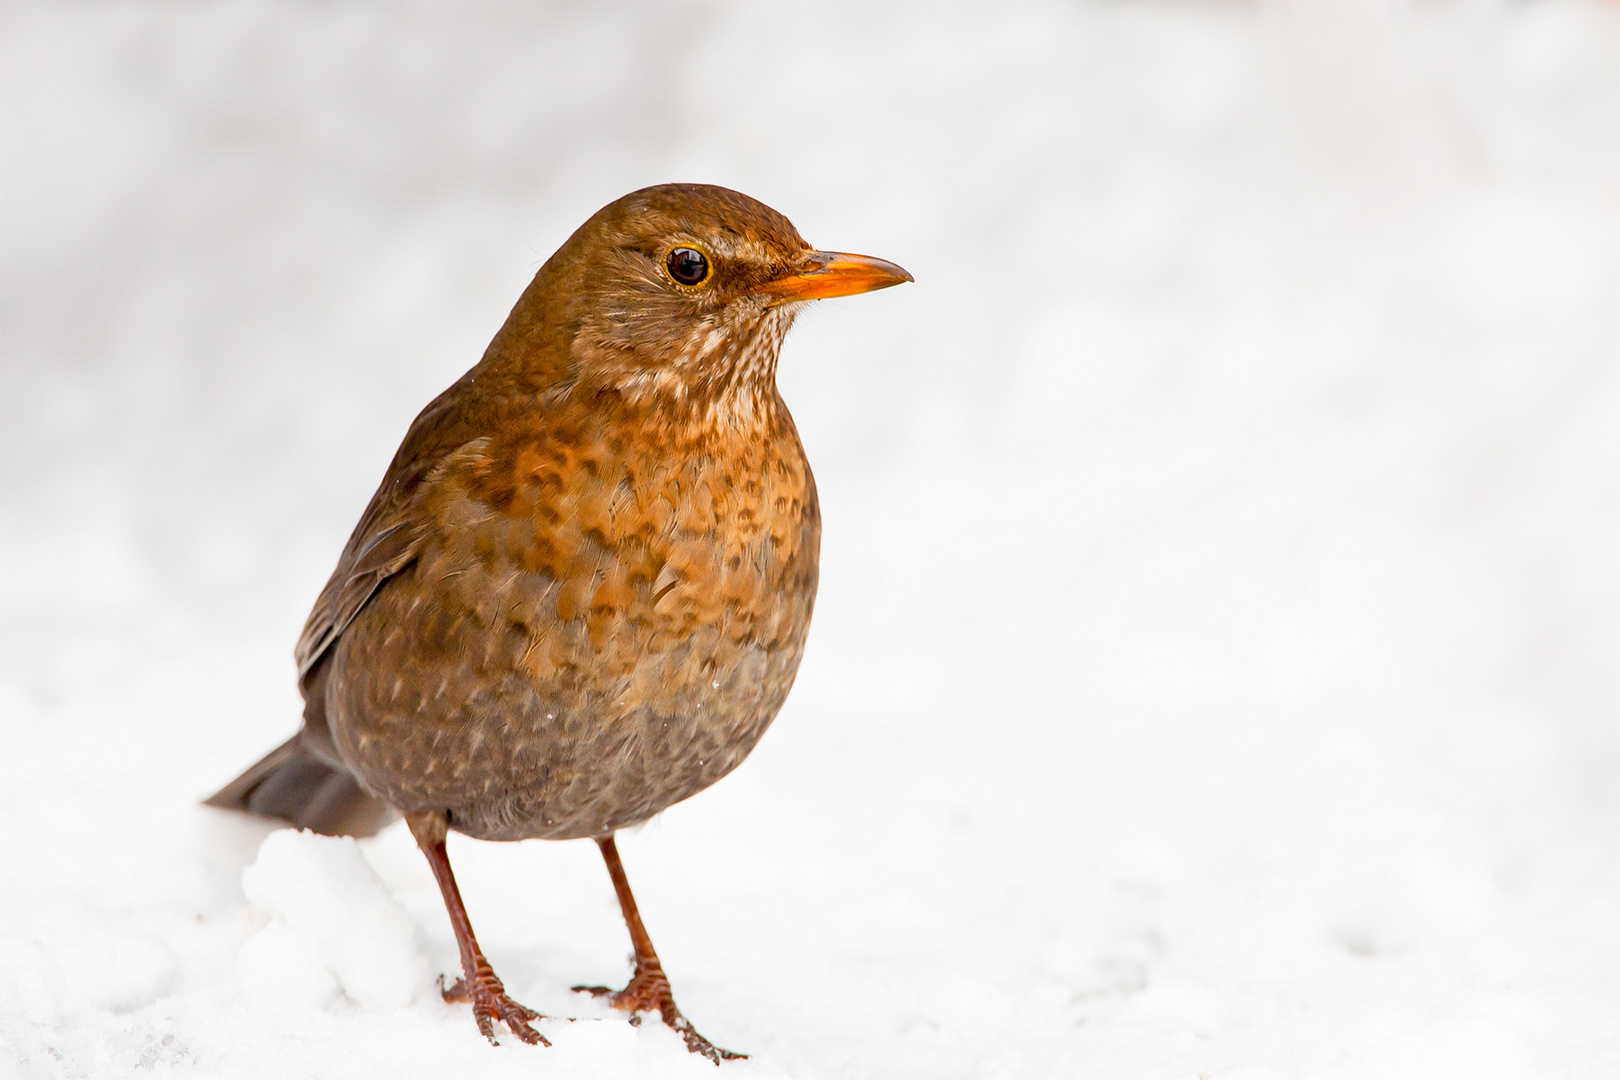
591	633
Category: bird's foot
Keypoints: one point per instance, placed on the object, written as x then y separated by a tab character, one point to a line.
649	992
491	1003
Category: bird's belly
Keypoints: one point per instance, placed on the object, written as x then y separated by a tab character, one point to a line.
528	708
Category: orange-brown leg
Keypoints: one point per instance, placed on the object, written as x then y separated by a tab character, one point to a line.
649	987
478	983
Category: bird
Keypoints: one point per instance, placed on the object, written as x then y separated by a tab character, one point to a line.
582	590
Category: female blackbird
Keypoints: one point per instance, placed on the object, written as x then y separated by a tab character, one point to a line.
582	591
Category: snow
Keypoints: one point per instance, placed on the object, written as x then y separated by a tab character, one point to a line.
1217	662
332	927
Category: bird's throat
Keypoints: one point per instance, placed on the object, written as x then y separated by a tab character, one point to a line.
720	380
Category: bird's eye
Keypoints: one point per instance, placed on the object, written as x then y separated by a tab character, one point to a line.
687	266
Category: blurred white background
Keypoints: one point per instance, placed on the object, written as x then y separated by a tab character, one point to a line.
1217	665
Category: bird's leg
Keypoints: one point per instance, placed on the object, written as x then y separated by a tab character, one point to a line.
478	983
649	986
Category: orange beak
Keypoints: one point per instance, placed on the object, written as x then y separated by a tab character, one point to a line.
821	274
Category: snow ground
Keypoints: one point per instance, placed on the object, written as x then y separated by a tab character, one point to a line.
1217	666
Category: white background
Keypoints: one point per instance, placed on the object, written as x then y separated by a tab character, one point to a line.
1217	665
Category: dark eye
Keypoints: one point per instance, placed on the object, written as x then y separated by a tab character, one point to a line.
687	266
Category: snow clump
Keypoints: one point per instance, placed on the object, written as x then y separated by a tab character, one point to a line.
332	925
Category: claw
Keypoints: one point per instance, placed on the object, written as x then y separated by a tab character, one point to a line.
649	992
491	1003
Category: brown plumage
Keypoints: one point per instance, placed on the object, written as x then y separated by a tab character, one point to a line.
582	591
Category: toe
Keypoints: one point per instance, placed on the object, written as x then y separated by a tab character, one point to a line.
697	1044
527	1033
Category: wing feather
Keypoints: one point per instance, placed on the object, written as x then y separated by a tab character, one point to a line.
391	532
382	555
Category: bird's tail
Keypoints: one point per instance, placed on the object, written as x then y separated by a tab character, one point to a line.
294	785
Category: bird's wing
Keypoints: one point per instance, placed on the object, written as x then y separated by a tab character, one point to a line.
391	532
373	556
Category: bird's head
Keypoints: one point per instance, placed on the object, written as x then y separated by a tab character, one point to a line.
679	292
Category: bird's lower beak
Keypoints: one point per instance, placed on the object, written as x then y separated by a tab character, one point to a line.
822	274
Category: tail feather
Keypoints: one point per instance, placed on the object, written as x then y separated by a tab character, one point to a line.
295	786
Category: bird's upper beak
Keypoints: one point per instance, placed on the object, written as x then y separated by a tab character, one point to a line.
820	274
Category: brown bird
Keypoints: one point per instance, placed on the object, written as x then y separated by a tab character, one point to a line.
581	593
